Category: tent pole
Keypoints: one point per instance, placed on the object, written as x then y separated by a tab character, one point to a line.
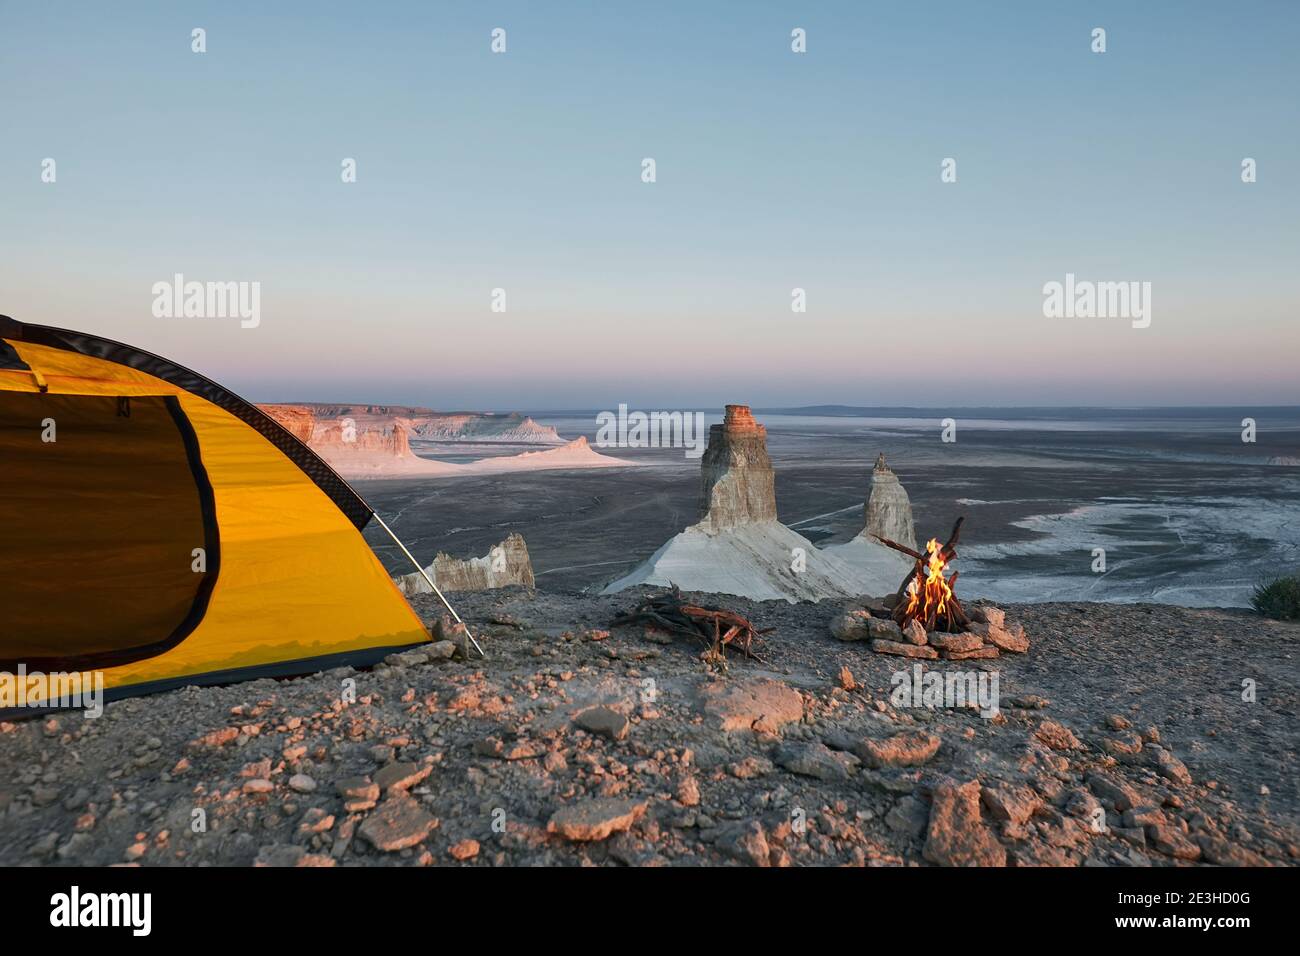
429	580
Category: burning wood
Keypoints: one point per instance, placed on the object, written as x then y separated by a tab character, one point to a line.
715	628
926	594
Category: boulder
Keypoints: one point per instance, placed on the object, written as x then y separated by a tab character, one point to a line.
397	824
908	749
743	704
852	626
595	819
957	834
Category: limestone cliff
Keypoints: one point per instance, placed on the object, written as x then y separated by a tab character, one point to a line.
888	511
425	424
738	483
504	564
297	419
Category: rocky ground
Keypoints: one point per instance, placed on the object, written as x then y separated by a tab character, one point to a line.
1128	735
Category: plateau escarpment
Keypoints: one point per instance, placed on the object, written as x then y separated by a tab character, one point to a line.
374	441
426	424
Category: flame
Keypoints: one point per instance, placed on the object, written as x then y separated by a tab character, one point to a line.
928	600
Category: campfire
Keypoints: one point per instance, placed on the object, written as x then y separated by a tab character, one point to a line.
926	594
924	620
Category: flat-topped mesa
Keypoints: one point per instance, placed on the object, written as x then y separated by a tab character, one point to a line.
738	484
888	511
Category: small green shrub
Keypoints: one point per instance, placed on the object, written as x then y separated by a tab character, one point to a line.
1279	599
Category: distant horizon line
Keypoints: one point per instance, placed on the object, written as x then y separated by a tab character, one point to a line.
825	408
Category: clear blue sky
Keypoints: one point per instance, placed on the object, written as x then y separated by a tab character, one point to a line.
775	170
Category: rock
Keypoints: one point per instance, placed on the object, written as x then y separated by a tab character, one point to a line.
957	834
316	820
1056	736
1011	640
909	816
852	626
1135	835
846	681
515	750
744	841
979	654
742	704
738	482
358	793
1082	805
603	721
1223	852
1170	767
1010	803
688	792
904	650
988	614
884	629
301	783
914	633
464	850
956	642
397	824
595	819
751	767
1118	722
1170	841
505	564
411	658
811	760
888	511
258	785
1119	793
279	855
1029	702
908	749
1144	816
440	650
554	762
1124	747
401	776
75	847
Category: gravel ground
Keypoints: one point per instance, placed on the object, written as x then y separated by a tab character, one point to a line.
1128	735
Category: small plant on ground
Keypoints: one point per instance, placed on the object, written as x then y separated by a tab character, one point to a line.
1279	599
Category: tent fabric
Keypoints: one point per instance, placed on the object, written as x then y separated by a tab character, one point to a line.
158	529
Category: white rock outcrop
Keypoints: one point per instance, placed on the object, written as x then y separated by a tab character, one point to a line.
888	511
739	486
505	564
739	547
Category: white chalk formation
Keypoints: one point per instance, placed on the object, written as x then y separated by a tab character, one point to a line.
738	546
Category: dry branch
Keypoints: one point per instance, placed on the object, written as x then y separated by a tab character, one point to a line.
713	627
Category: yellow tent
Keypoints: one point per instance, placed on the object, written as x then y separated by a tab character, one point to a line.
158	529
